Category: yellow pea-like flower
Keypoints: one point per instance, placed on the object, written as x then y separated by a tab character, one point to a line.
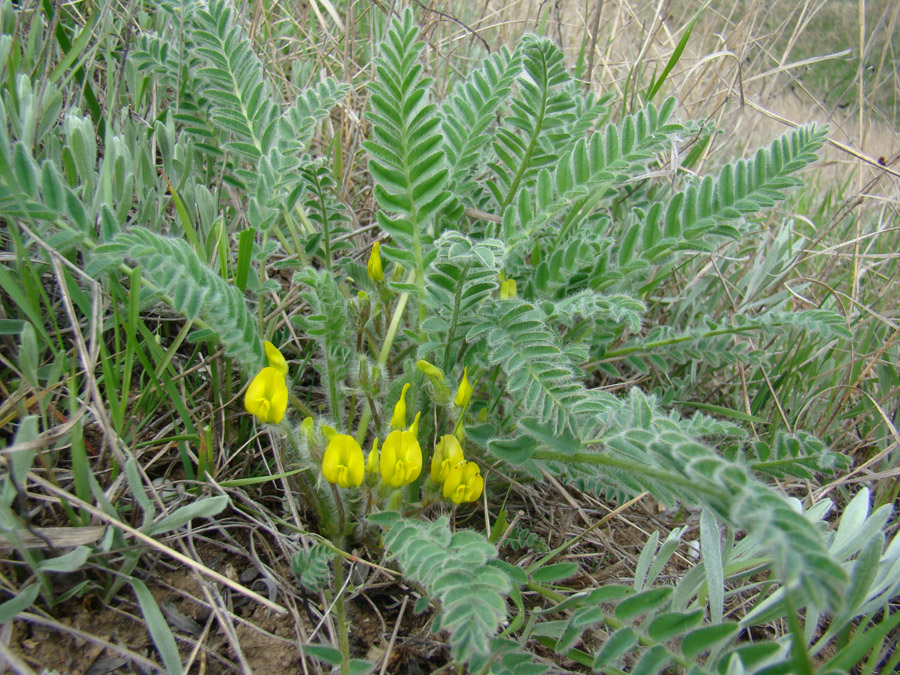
464	392
448	454
373	266
276	360
401	459
267	396
464	483
398	419
343	463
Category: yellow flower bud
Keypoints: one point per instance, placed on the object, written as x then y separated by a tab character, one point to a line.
343	463
430	370
447	454
267	396
398	419
372	460
508	289
414	427
401	459
464	392
373	267
328	432
464	483
306	428
276	360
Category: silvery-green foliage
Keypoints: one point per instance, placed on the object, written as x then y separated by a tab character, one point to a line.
462	277
460	572
406	157
229	107
326	323
714	342
471	108
798	454
311	567
533	131
684	624
586	175
317	192
193	289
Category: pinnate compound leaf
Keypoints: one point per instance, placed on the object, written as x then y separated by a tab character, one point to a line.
456	571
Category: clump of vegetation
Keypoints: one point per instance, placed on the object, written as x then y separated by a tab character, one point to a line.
364	329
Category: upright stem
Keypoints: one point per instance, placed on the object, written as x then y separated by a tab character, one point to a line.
342	630
384	354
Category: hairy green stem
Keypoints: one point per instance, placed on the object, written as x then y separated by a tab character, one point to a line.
332	392
383	355
624	351
630	466
342	628
455	319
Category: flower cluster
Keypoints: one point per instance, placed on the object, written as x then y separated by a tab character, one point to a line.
461	480
267	395
399	461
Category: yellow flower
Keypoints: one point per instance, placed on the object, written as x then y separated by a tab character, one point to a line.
464	483
276	360
373	267
447	454
398	419
508	289
267	396
464	393
401	459
343	463
372	460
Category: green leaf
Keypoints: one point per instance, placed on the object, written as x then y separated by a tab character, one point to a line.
669	625
702	639
26	597
202	508
616	646
157	626
384	518
29	355
361	667
711	548
68	562
642	603
861	644
23	459
553	573
325	653
652	662
245	250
